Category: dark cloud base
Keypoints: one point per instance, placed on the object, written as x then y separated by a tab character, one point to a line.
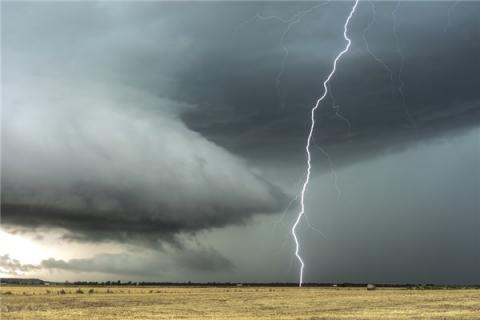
82	225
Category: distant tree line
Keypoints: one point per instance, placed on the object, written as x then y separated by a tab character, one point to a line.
269	284
20	281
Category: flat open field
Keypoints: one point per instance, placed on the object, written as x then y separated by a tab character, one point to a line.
20	302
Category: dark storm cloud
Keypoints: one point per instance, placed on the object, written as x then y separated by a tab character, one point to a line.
203	260
101	169
223	59
439	79
144	264
85	152
119	264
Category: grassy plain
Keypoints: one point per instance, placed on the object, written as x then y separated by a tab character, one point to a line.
41	302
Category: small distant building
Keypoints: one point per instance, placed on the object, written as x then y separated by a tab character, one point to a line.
371	286
239	285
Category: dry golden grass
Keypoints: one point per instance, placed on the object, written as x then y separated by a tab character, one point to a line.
20	302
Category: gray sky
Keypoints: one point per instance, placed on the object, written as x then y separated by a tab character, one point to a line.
165	140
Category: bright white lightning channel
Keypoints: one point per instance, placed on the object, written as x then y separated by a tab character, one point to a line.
309	140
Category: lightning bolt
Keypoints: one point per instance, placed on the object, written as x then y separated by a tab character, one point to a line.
296	19
332	171
309	140
401	86
290	22
367	46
